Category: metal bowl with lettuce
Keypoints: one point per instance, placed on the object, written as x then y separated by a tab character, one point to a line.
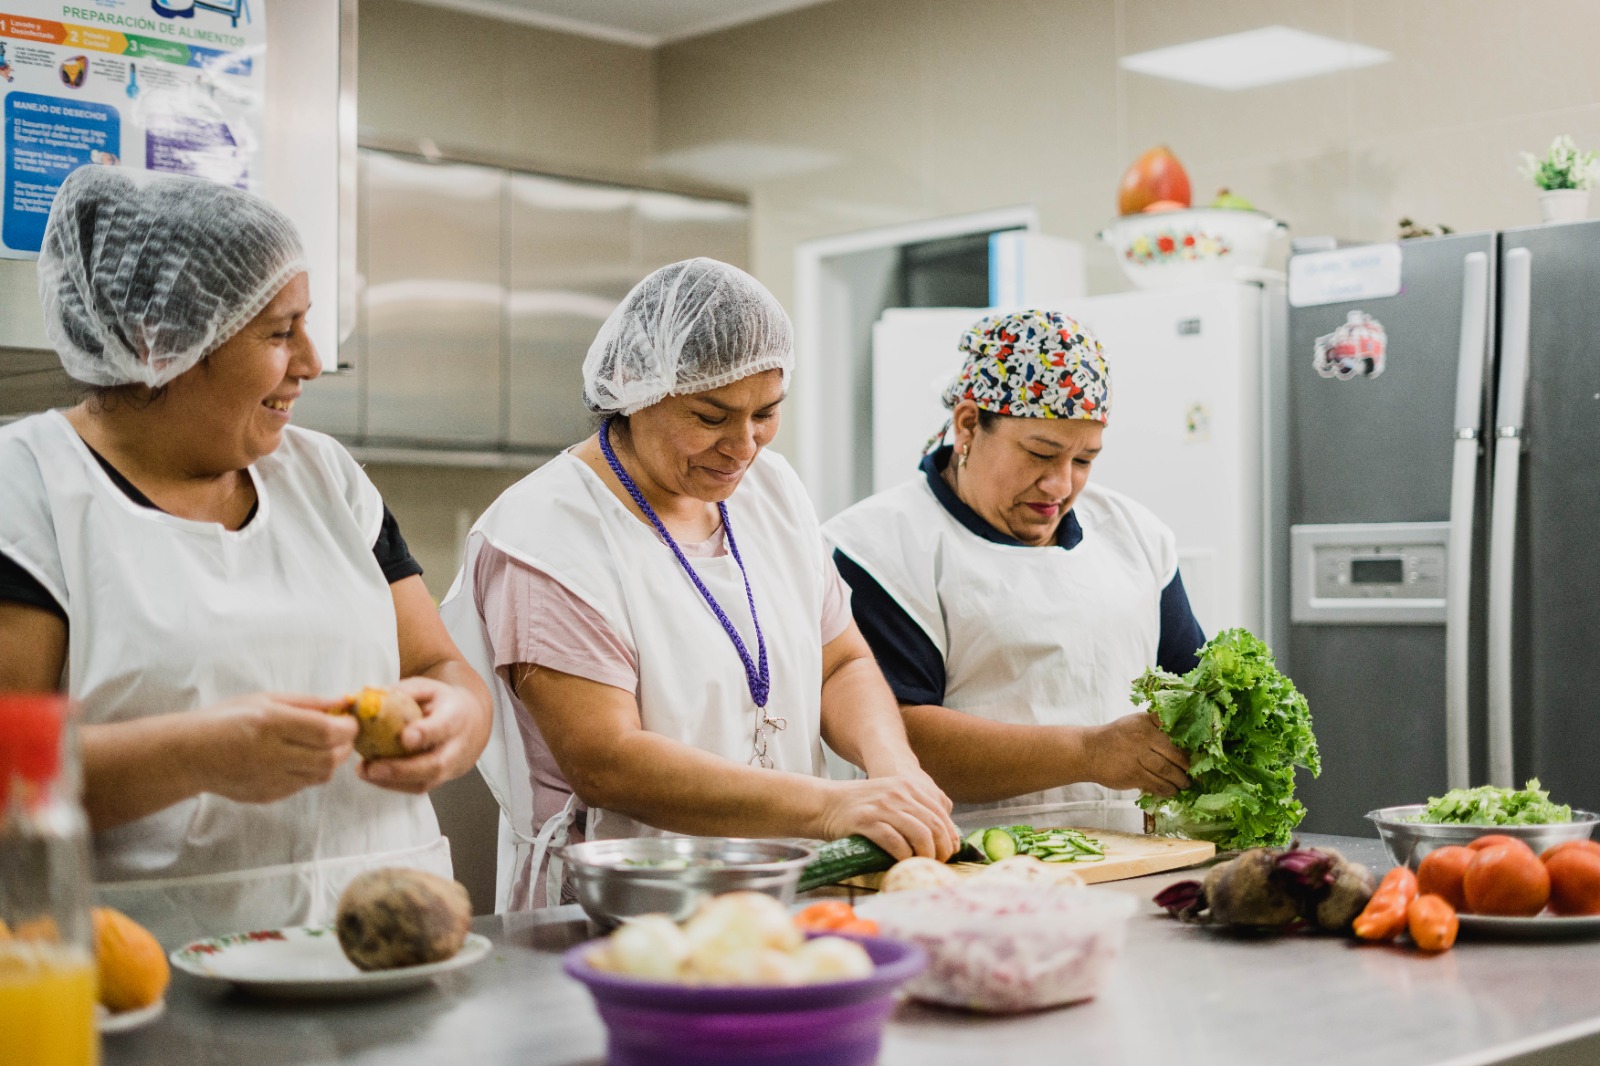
1463	815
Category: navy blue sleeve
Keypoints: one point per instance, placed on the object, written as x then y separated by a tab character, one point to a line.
909	660
1178	649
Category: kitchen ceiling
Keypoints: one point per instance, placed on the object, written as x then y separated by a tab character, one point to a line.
642	23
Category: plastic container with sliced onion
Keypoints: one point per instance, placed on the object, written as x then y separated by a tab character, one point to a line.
1002	947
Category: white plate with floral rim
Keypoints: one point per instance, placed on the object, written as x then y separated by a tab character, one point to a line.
124	1020
306	962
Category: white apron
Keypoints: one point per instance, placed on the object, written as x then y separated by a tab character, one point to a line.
168	614
564	521
1029	636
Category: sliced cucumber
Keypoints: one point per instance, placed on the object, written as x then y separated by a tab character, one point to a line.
1000	843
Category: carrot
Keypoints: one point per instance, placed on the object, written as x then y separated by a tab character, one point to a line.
1385	915
1433	923
858	927
825	916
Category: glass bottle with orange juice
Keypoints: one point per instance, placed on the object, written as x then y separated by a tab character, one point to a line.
47	968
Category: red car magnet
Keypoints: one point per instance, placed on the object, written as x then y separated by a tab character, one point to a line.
1355	350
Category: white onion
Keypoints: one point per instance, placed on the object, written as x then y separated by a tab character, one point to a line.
651	945
832	958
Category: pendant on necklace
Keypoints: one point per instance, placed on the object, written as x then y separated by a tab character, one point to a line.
767	725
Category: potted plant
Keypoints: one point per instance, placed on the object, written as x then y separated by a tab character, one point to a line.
1564	177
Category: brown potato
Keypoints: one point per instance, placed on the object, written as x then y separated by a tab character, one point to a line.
399	917
381	714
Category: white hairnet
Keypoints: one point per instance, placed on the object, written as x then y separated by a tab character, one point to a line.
143	275
688	327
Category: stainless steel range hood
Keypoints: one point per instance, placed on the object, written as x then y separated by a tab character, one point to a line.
481	288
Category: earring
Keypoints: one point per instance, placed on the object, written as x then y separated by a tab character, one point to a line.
961	464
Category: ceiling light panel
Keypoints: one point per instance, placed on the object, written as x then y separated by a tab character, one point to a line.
1254	58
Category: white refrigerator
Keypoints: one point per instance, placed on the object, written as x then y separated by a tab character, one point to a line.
1187	437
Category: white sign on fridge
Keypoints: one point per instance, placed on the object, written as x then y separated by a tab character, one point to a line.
1368	272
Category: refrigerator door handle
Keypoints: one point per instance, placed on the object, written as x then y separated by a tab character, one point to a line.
1503	508
1463	506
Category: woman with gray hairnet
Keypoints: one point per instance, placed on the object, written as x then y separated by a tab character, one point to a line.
207	581
667	641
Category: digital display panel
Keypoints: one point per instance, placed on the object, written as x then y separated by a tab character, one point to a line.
1390	571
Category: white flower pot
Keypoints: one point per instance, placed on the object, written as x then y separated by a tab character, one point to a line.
1564	205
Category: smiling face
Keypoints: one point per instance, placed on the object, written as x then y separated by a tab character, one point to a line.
234	403
1022	475
700	445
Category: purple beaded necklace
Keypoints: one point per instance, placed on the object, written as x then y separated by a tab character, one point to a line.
755	671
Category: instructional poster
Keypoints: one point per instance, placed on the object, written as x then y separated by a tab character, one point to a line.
170	85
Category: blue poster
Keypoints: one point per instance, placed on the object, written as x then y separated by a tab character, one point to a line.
47	138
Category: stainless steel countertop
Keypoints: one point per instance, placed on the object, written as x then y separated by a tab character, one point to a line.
1179	995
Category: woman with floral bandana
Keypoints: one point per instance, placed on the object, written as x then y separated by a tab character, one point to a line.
1010	602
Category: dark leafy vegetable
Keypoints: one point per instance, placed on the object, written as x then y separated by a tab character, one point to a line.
1245	728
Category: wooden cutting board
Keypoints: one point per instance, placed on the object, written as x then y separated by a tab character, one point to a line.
1127	856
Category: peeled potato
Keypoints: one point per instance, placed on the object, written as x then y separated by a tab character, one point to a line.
381	715
917	872
400	917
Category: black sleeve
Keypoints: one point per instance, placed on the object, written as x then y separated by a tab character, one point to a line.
1178	649
19	586
391	551
908	659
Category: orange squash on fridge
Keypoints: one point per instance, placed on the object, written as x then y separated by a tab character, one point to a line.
1155	176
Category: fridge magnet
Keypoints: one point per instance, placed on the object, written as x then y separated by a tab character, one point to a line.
1355	350
1197	424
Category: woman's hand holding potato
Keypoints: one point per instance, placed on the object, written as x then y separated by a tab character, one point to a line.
442	745
266	746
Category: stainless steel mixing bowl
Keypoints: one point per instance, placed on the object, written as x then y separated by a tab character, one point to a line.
1408	840
618	879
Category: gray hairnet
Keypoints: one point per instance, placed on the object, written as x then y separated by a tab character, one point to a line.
688	327
143	275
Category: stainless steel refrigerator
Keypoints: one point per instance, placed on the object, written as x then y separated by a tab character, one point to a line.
1443	459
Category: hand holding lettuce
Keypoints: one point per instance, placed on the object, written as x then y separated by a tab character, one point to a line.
1245	728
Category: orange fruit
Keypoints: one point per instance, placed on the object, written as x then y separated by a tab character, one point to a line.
1441	874
1494	840
1506	880
133	968
1568	845
1574	880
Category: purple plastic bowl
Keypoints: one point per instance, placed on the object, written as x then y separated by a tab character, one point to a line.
837	1023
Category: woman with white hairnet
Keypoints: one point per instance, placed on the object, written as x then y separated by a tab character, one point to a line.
668	641
207	581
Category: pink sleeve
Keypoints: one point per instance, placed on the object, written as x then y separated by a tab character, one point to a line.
836	617
532	618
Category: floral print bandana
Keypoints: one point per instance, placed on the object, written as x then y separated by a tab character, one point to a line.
1031	364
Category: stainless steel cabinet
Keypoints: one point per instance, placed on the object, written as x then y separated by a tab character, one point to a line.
434	301
480	292
571	261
